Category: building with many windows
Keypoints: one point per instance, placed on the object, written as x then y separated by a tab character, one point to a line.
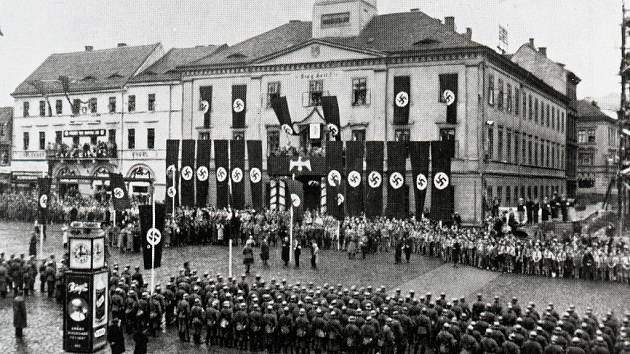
597	137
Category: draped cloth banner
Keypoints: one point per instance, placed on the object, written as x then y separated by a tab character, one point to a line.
334	178
281	108
442	192
448	95
146	223
402	99
43	200
187	195
222	164
330	106
237	173
172	155
419	155
202	175
205	104
295	199
354	179
120	196
239	108
374	178
254	157
396	163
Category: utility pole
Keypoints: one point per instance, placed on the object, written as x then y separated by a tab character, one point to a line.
625	67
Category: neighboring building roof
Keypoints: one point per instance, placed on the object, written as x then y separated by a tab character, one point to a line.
88	70
551	72
587	111
6	114
163	68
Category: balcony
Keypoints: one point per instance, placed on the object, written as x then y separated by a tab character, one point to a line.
99	151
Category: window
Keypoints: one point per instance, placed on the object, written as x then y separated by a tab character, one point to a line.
93	139
531	107
151	138
151	103
500	98
59	107
508	195
516	145
553	118
491	90
499	193
562	123
358	134
76	106
517	100
500	144
42	108
548	117
508	102
25	140
131	138
586	136
25	108
111	136
131	103
315	92
490	143
204	136
447	134
535	191
530	150
524	159
42	140
93	105
359	92
331	20
489	194
238	135
112	105
529	192
401	134
273	141
58	137
273	91
4	155
536	110
75	141
508	145
536	151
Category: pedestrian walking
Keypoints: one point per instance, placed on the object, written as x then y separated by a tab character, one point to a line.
264	252
32	246
19	314
248	257
286	248
314	255
115	336
297	251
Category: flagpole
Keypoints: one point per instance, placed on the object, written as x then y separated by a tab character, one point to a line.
291	232
173	199
153	246
338	233
230	257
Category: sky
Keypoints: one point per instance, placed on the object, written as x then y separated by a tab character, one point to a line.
583	34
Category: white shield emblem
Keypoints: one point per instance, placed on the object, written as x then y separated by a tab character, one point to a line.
396	180
221	174
171	192
354	179
441	180
449	97
187	173
375	179
402	99
170	170
295	200
333	129
43	201
340	199
118	193
202	173
255	175
237	175
334	178
204	106
421	182
238	106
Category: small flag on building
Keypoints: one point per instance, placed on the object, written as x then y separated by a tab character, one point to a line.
120	196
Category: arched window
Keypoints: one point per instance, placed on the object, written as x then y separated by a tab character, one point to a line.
140	190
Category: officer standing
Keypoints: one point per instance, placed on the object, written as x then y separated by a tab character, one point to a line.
297	251
19	314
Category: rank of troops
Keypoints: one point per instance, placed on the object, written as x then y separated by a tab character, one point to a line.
18	275
277	317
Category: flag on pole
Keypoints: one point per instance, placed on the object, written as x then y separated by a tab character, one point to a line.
43	200
150	237
296	200
120	196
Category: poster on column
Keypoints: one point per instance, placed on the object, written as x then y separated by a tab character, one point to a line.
354	177
374	178
254	158
396	189
237	173
100	309
172	154
334	179
202	175
188	173
419	155
77	312
222	165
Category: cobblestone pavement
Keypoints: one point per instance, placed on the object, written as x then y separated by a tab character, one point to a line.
44	332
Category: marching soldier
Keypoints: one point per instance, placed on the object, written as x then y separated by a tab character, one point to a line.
270	321
169	299
334	331
319	325
255	327
142	315
131	308
118	305
352	334
225	325
197	320
183	318
155	312
137	276
302	332
50	278
4	279
212	321
241	322
285	322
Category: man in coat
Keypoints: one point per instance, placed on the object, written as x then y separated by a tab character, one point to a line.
19	314
115	336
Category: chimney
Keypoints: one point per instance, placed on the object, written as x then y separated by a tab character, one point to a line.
531	43
89	48
121	45
449	21
415	10
543	51
468	32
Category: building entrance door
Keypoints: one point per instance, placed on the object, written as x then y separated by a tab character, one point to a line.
312	194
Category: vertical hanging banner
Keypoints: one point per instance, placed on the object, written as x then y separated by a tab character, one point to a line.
448	95
202	175
187	195
396	163
281	108
354	177
222	164
172	154
295	191
150	235
239	99
334	179
205	104
442	192
43	199
402	99
419	155
237	173
254	158
330	106
374	176
120	197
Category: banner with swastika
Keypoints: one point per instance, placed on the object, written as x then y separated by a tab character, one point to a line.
222	164
237	173
172	155
375	155
254	157
354	179
187	174
419	155
396	190
334	167
402	99
146	223
204	149
120	197
442	190
239	105
448	95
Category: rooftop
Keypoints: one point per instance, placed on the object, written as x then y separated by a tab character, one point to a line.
588	111
163	68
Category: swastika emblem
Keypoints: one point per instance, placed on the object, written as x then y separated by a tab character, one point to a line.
449	97
254	175
402	99
204	107
441	180
238	105
295	200
396	180
118	193
287	129
187	173
43	201
171	191
375	179
332	128
354	179
421	182
221	174
202	173
340	199
334	178
237	175
154	236
170	170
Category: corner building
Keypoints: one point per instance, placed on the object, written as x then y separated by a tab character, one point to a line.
509	127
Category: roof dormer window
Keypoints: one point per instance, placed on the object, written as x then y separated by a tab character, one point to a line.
337	19
237	56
